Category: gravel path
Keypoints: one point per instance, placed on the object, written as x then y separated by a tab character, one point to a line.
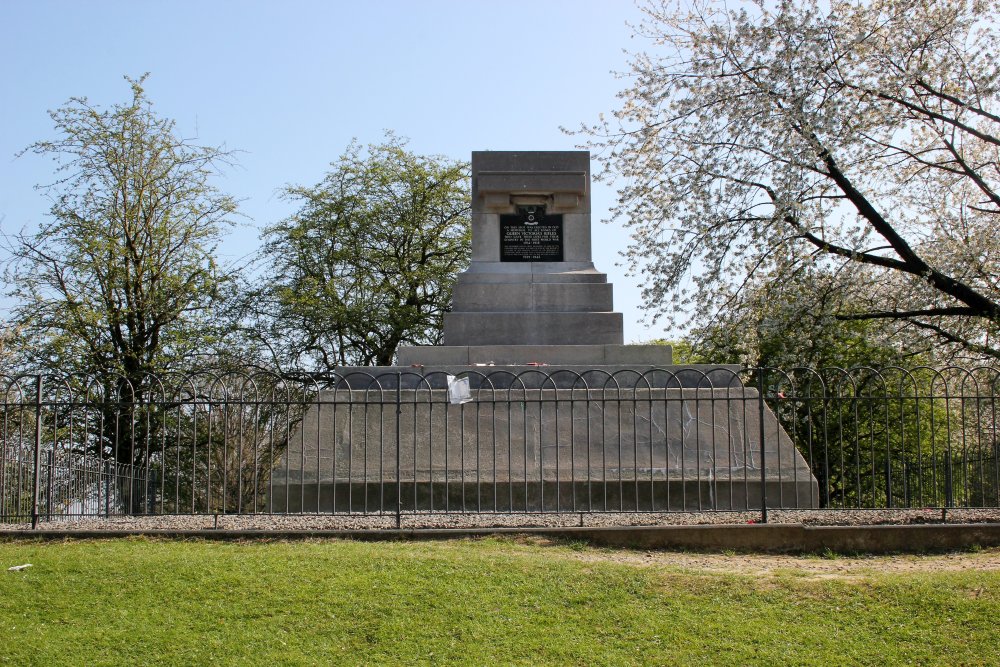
809	567
473	520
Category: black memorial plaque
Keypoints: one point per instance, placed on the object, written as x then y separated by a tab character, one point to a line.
531	237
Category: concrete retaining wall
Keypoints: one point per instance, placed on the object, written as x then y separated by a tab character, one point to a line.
770	538
555	442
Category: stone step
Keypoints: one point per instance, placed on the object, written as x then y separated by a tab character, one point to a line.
550	272
521	355
549	328
533	297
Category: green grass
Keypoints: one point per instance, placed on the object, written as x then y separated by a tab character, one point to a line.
466	602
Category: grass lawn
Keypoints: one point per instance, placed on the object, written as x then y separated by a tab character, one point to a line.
491	601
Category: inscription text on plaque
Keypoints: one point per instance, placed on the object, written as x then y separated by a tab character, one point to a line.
531	236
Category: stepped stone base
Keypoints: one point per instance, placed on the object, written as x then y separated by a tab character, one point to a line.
535	303
533	297
524	355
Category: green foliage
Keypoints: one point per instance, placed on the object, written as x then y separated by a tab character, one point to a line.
792	322
682	351
874	435
121	281
120	285
368	261
892	437
462	602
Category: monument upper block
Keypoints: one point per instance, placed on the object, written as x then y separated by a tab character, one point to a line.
531	280
510	186
504	180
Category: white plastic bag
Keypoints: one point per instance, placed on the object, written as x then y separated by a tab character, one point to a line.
458	390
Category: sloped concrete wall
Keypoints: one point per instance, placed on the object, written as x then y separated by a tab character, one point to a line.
641	446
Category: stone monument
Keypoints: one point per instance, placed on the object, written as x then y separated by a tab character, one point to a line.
559	414
531	293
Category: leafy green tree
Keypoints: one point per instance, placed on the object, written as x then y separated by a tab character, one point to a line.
369	260
120	283
759	142
878	426
790	322
122	278
873	432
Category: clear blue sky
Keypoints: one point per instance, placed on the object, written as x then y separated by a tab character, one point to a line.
291	83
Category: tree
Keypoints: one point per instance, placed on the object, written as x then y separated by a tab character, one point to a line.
788	323
369	260
226	434
860	140
122	279
858	401
877	425
121	284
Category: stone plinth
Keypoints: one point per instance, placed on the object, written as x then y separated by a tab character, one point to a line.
541	450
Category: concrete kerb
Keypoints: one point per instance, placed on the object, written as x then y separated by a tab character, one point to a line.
762	538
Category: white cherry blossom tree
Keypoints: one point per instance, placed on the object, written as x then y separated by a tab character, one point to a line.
858	139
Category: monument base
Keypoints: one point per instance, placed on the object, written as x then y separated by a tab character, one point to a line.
549	411
612	495
540	439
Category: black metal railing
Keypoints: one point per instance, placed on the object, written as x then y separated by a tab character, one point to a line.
540	440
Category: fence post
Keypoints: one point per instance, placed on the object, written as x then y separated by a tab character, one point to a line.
38	453
763	471
399	418
50	457
107	486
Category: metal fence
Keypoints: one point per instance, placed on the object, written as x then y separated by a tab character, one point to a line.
536	441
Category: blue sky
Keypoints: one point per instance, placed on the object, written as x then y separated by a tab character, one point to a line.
291	83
